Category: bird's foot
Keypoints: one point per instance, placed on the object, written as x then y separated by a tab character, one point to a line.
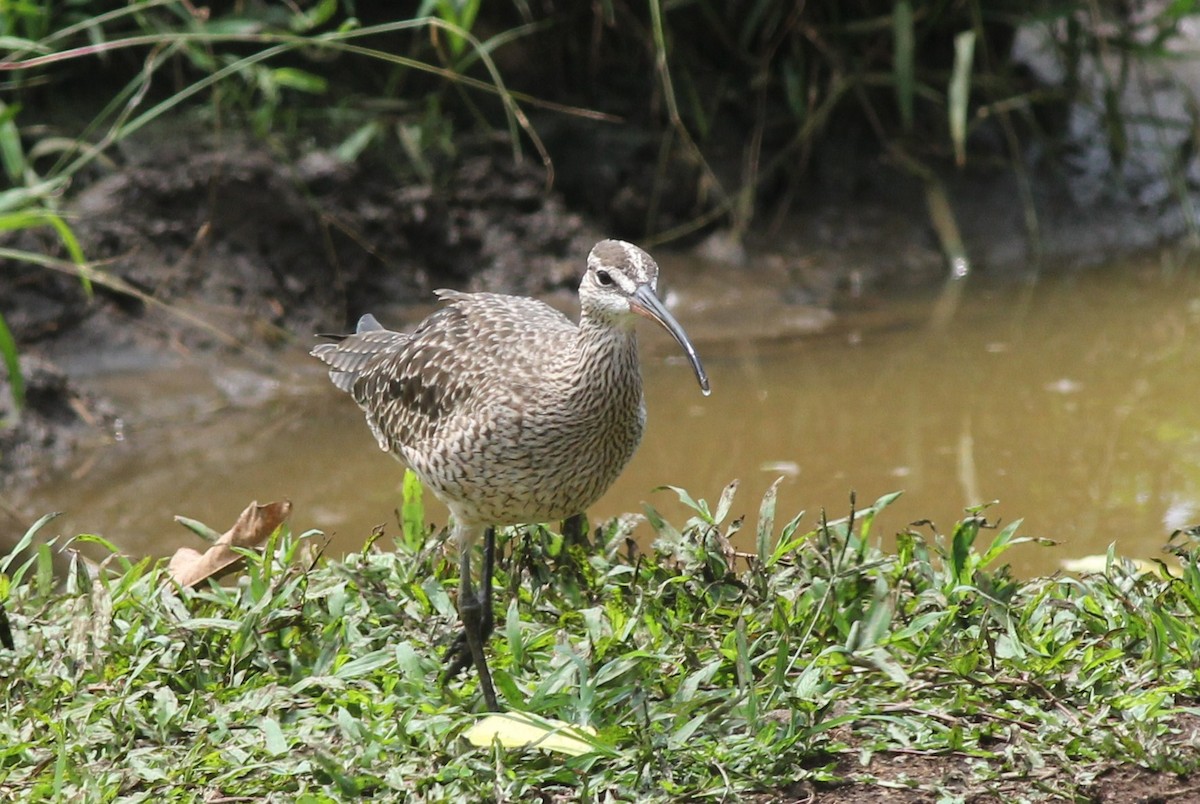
458	656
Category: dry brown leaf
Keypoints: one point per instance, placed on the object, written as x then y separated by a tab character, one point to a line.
189	567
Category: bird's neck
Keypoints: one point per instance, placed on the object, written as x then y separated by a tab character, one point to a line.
607	350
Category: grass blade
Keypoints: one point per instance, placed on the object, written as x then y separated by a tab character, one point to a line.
412	511
960	93
25	541
766	522
903	71
12	362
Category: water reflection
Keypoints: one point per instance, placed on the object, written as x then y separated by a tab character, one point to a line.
1071	402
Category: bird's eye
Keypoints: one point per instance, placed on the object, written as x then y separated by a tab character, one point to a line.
604	278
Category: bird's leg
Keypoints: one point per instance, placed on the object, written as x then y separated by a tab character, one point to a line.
574	529
485	594
458	656
475	610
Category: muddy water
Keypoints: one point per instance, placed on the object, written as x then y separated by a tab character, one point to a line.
1071	401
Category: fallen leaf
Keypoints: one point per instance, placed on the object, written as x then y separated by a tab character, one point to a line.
526	730
189	567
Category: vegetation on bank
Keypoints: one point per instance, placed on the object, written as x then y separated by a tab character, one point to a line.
705	674
762	86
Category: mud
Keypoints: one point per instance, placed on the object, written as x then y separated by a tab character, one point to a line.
263	248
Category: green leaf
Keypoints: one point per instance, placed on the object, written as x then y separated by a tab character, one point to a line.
30	219
276	744
868	516
315	17
788	541
663	528
210	623
726	501
513	633
199	528
882	661
960	548
766	522
679	738
299	80
409	661
1004	540
12	364
12	155
459	15
349	149
364	665
684	497
11	43
687	690
412	511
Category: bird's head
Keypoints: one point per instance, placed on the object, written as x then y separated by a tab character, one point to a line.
622	281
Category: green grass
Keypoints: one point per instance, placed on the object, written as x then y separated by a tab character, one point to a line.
707	674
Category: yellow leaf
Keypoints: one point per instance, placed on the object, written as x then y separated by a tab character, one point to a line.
525	730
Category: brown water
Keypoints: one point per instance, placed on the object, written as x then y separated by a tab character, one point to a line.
1072	401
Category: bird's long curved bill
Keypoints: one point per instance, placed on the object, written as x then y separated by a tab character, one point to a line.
646	303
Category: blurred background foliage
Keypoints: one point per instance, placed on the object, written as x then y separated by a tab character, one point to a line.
735	102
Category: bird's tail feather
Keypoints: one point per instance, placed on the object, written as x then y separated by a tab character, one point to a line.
353	354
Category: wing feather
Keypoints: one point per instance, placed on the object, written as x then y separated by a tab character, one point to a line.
479	349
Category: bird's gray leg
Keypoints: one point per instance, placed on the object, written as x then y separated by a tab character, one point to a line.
459	657
475	610
485	594
484	598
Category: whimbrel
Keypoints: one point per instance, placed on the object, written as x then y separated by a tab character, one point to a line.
509	412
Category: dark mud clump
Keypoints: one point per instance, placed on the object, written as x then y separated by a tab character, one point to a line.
259	248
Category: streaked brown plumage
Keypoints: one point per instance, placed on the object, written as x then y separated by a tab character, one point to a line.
508	411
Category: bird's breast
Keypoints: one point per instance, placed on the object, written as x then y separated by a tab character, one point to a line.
536	457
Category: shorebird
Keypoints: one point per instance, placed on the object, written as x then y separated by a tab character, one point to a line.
509	412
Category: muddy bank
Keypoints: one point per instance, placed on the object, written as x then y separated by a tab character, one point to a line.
262	249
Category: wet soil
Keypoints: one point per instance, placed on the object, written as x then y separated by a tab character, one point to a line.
59	413
922	777
918	778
